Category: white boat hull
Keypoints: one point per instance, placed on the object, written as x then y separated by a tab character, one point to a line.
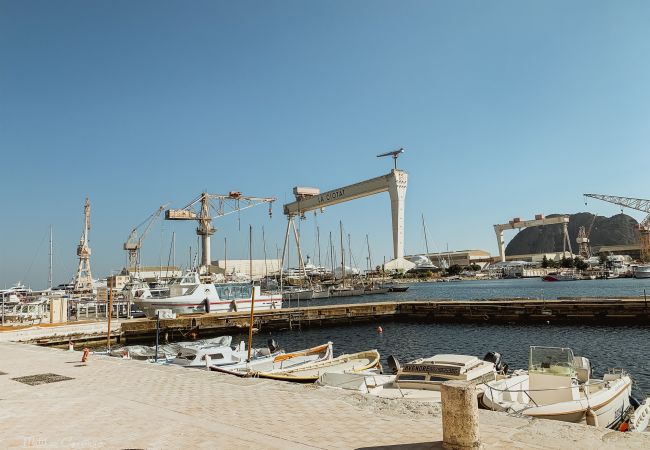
205	299
607	405
642	272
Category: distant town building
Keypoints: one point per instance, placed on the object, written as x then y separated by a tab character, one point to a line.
462	258
261	267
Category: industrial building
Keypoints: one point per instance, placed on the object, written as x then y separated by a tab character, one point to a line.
261	267
151	274
462	258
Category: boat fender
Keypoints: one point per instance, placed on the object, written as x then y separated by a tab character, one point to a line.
70	346
206	303
591	418
233	305
86	353
393	364
623	427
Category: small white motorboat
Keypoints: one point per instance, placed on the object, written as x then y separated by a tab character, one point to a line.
639	419
208	356
559	386
421	379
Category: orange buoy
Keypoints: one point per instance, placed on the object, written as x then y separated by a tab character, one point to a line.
85	355
380	330
624	427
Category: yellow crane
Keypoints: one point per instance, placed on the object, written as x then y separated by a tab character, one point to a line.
638	204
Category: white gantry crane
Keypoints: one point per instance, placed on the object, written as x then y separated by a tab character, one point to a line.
395	183
638	204
202	208
539	220
134	241
83	281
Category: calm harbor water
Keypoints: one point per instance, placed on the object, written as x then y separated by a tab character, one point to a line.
606	347
486	289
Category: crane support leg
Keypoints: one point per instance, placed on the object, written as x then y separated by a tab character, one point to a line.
205	250
397	192
502	245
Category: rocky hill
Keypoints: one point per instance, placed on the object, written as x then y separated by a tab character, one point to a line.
620	229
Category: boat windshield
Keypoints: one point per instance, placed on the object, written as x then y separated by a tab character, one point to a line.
551	361
233	291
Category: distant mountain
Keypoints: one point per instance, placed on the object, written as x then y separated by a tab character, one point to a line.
620	229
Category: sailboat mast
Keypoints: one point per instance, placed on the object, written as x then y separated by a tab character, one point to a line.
318	243
369	257
174	248
266	274
342	254
250	265
332	256
50	274
225	258
424	230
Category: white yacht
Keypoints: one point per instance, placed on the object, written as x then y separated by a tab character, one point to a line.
559	386
189	295
642	272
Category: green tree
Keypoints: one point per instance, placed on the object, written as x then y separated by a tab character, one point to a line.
580	264
454	269
603	259
567	263
545	262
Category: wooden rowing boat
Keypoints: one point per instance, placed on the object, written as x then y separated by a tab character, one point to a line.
309	373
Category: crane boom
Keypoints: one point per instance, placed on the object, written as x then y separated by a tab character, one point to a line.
234	201
638	204
134	242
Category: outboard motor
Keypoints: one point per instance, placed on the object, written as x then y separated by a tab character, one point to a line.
496	359
206	304
393	364
272	345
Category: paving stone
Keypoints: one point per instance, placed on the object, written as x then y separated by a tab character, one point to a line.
115	403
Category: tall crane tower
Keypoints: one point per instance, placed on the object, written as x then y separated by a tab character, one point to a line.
583	240
83	282
201	209
638	204
134	242
583	243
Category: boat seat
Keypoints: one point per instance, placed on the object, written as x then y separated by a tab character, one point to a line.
263	352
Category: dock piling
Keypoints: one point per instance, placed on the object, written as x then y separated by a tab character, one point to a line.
460	429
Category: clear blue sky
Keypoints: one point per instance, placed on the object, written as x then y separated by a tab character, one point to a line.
505	108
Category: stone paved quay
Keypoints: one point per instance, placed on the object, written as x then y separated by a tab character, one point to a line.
114	403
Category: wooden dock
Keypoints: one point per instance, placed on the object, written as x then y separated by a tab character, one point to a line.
582	311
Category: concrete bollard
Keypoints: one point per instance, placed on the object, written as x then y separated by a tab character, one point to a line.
459	416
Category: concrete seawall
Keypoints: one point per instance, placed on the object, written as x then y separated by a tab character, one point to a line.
520	311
